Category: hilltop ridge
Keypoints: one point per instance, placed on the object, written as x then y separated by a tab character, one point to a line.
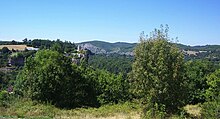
211	52
102	47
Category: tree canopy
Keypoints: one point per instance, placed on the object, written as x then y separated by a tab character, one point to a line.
50	77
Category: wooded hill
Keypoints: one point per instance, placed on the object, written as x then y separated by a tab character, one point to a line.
210	52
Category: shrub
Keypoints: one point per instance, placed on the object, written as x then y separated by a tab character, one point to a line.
211	109
111	87
108	87
3	98
156	112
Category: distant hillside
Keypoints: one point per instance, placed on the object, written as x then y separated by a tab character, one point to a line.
210	52
101	47
199	48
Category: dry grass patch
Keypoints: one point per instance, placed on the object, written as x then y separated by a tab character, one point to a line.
90	116
15	47
193	110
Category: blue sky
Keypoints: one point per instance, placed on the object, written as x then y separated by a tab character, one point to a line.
194	22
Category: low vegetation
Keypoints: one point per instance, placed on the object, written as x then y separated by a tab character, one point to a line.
26	108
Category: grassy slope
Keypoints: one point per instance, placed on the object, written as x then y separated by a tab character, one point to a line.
24	108
29	109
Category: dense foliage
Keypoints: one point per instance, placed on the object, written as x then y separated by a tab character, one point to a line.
43	44
113	63
47	44
157	76
213	81
109	88
197	72
4	58
211	108
49	77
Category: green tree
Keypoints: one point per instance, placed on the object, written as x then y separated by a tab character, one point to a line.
108	87
5	50
1	80
213	81
197	72
13	42
25	41
50	77
157	76
111	88
211	108
57	47
113	63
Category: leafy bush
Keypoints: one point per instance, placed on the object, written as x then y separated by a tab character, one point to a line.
213	81
113	63
211	109
109	88
197	72
3	98
156	111
50	77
